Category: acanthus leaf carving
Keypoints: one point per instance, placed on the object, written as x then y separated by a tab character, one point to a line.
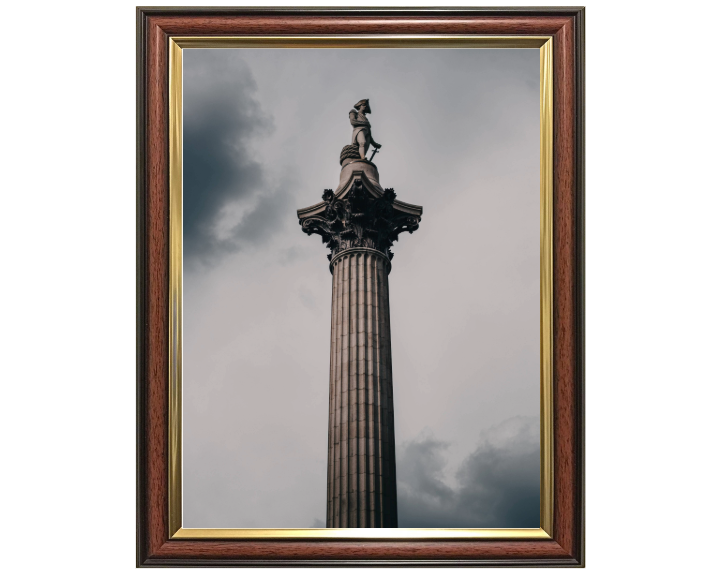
359	220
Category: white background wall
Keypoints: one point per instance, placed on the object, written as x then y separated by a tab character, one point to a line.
68	234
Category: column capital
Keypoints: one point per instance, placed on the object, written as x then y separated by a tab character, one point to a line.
360	215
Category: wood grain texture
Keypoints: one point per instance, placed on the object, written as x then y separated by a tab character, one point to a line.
563	287
157	281
154	548
278	25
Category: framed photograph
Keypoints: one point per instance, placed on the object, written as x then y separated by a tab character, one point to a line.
308	178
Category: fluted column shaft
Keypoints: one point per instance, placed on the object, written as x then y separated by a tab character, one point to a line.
362	490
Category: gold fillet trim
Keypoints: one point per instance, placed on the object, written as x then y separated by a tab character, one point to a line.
544	43
360	41
175	348
405	533
546	288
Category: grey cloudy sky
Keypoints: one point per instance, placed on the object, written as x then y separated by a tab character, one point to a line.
263	130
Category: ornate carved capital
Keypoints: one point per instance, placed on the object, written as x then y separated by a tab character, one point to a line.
359	219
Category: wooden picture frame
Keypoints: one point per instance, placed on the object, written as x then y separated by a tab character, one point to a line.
157	540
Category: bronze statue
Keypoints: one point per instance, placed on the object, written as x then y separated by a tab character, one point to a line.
361	136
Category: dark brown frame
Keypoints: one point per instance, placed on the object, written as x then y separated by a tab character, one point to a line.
154	25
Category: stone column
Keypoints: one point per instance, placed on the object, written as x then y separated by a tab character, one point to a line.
359	222
361	435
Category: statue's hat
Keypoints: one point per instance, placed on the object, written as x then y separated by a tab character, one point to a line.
365	101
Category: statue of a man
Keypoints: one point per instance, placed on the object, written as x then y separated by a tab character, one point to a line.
362	136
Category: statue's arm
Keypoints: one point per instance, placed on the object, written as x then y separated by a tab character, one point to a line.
354	119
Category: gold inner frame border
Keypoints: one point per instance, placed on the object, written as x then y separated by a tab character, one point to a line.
545	46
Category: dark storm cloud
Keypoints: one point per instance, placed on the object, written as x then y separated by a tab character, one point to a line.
222	122
498	484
